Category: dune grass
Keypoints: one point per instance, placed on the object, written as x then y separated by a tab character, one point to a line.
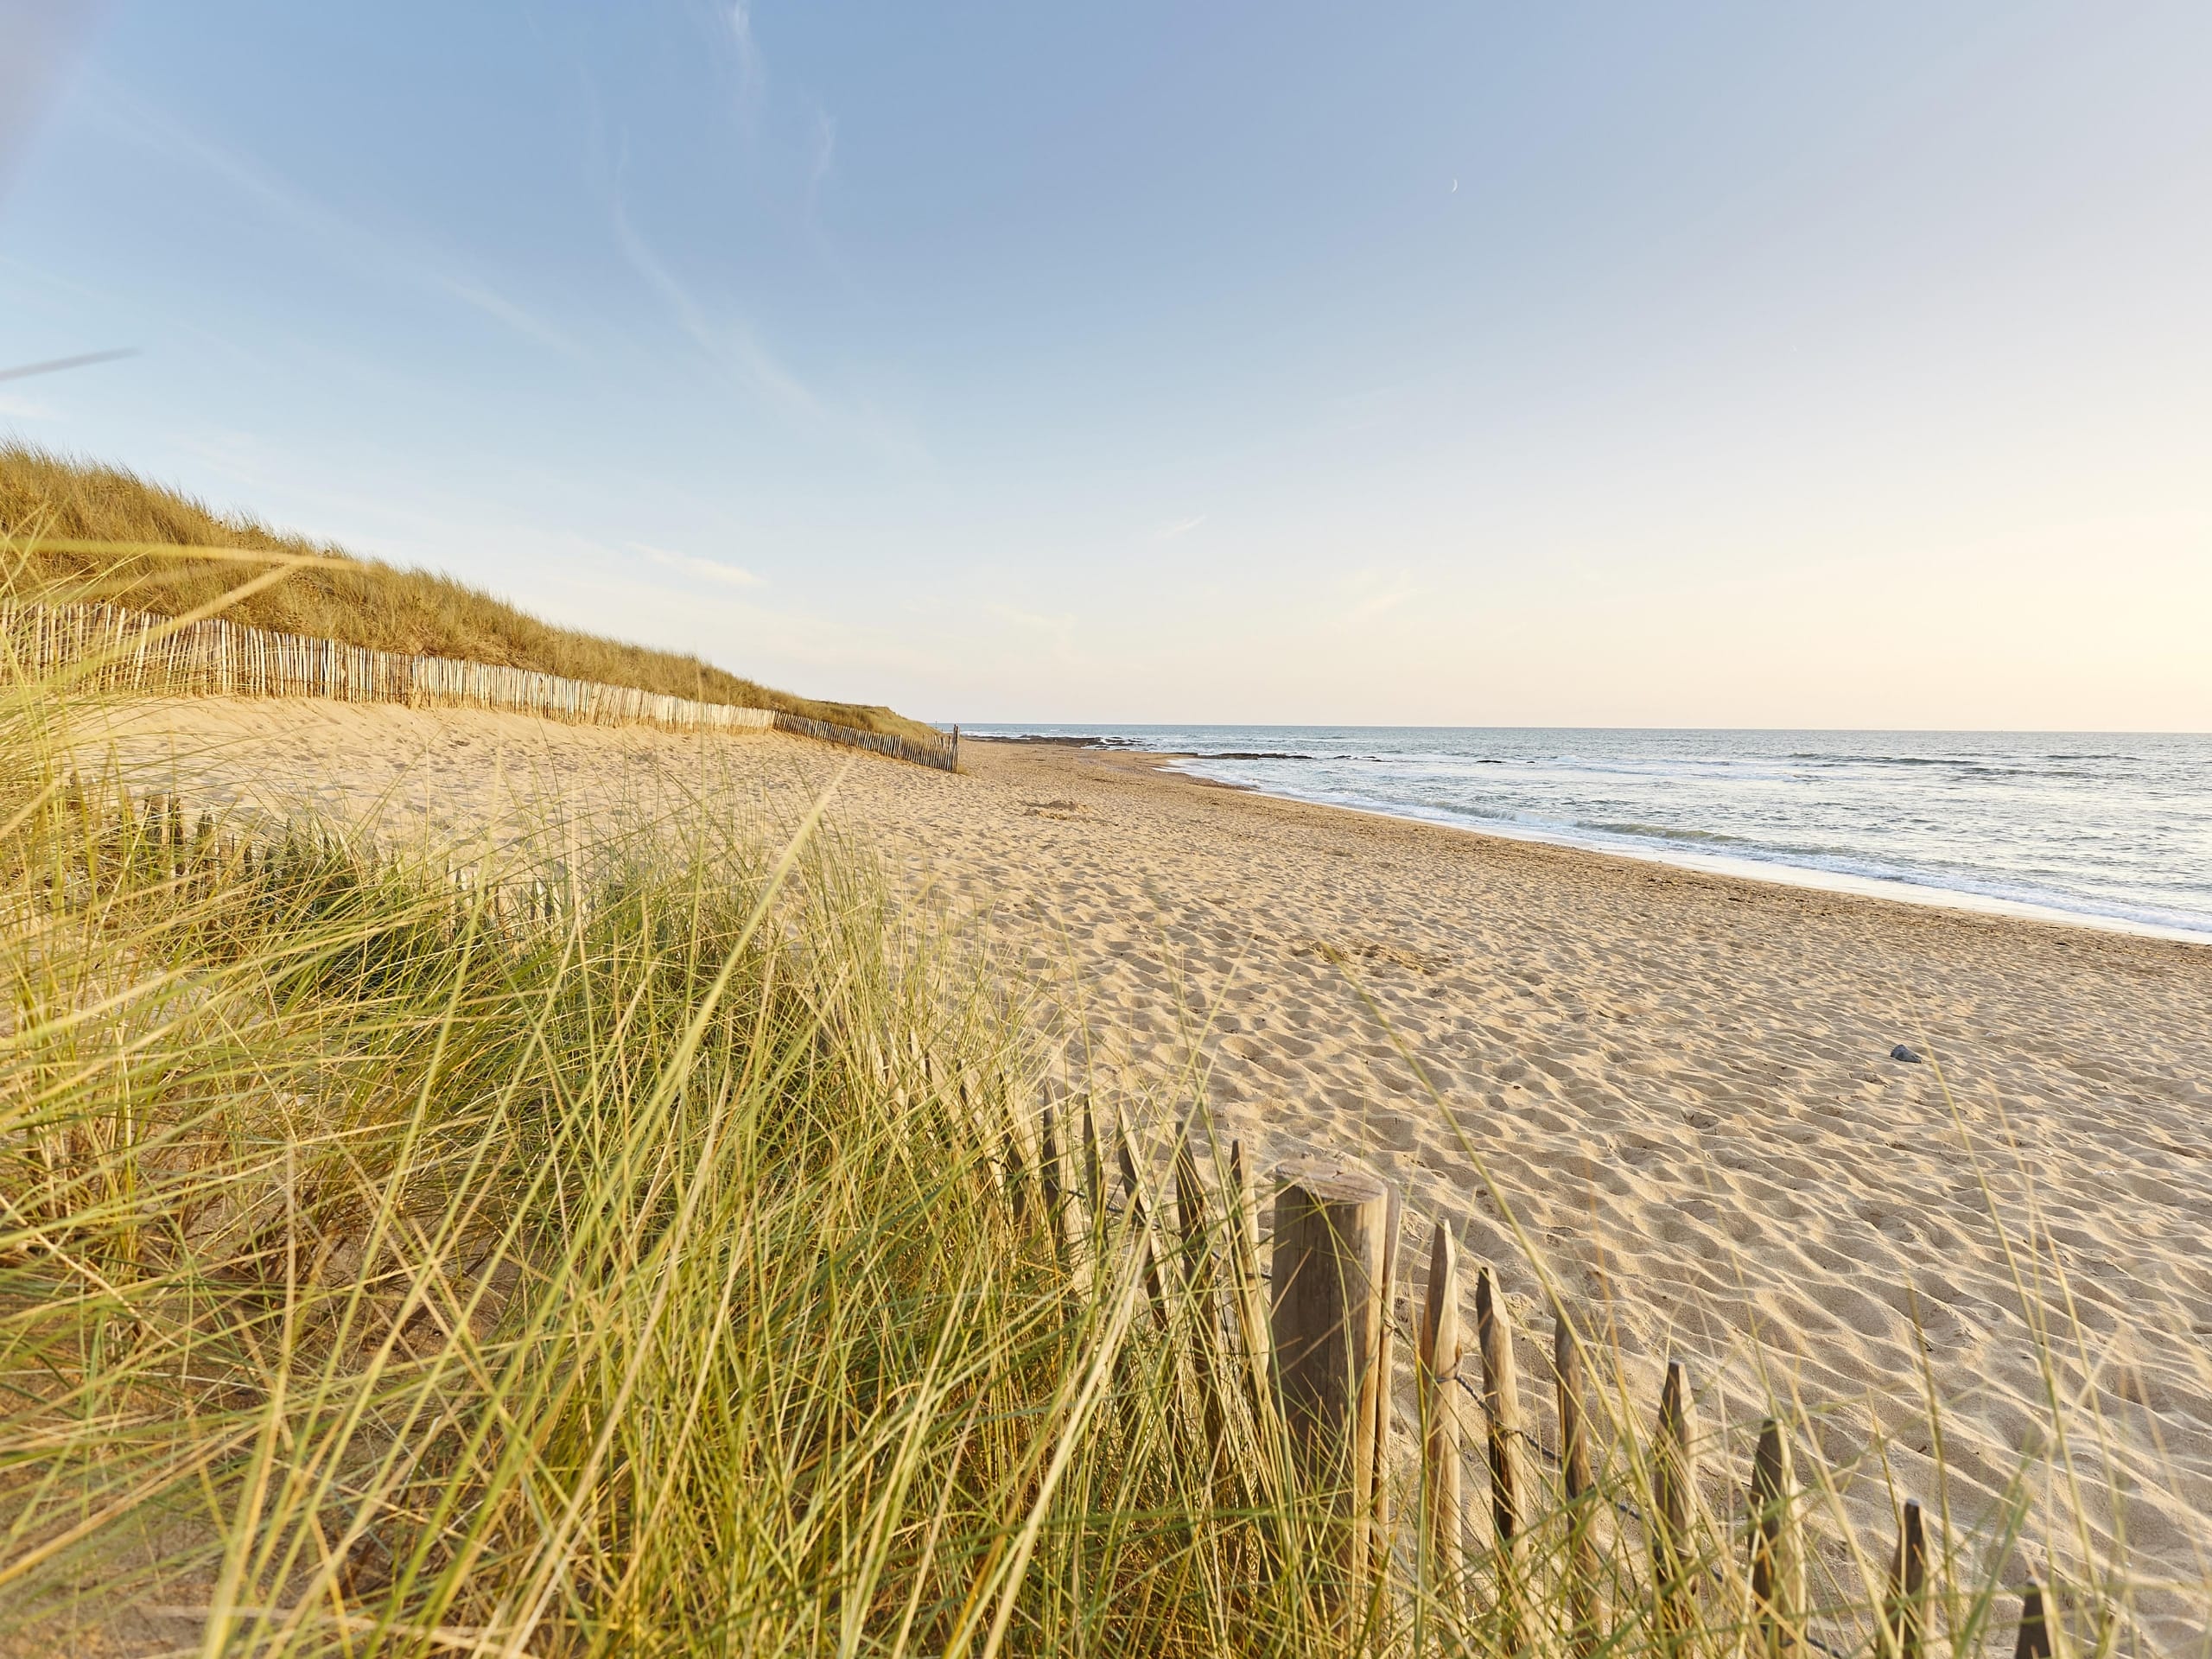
95	509
649	1253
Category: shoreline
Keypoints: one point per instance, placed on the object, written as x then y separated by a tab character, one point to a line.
1889	890
1776	871
1903	900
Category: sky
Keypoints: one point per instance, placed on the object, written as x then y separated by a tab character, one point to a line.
1425	363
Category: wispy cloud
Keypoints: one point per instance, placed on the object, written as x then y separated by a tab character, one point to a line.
1180	527
1380	593
792	166
406	260
25	409
709	570
729	342
822	157
822	164
751	72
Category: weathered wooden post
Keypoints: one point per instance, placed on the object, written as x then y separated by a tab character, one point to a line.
1436	1377
1386	1369
2036	1621
1252	1319
1141	1224
1674	1508
1578	1488
1052	1170
179	867
1094	1178
1017	1170
1329	1259
1194	1224
1777	1547
1904	1617
1194	1220
1509	1495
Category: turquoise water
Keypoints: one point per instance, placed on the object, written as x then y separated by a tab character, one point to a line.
2111	828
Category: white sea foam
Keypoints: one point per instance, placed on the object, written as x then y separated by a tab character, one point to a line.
2111	829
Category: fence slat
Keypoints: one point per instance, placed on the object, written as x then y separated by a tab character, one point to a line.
1194	1220
1777	1547
1094	1178
135	651
1253	1325
1578	1487
1904	1617
1509	1487
1140	1221
1329	1249
2036	1621
1386	1368
1673	1494
1436	1377
1052	1168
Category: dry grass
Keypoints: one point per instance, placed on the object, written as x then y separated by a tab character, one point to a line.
46	498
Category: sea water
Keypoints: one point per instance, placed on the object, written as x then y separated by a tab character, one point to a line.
2109	829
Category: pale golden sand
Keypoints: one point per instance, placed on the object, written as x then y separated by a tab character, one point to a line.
1678	1082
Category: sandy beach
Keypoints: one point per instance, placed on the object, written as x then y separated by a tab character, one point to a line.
1680	1084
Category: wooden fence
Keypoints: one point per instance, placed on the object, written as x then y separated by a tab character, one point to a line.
1312	1355
109	648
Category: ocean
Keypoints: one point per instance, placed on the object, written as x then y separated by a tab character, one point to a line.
2108	829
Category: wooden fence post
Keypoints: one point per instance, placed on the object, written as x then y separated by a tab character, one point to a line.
2036	1621
1017	1164
1904	1616
1253	1325
1437	1375
1094	1178
1673	1507
1329	1249
1194	1224
1777	1547
1194	1221
1052	1182
1509	1495
1578	1487
1386	1369
1141	1221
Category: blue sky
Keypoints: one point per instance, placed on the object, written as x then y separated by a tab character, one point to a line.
1438	363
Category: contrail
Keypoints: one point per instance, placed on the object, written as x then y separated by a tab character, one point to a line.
58	363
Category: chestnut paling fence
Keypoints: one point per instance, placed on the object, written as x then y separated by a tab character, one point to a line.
106	647
1604	1540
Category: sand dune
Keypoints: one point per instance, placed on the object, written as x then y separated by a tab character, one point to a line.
1678	1085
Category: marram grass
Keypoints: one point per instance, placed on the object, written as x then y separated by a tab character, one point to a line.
651	1255
387	1269
74	531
